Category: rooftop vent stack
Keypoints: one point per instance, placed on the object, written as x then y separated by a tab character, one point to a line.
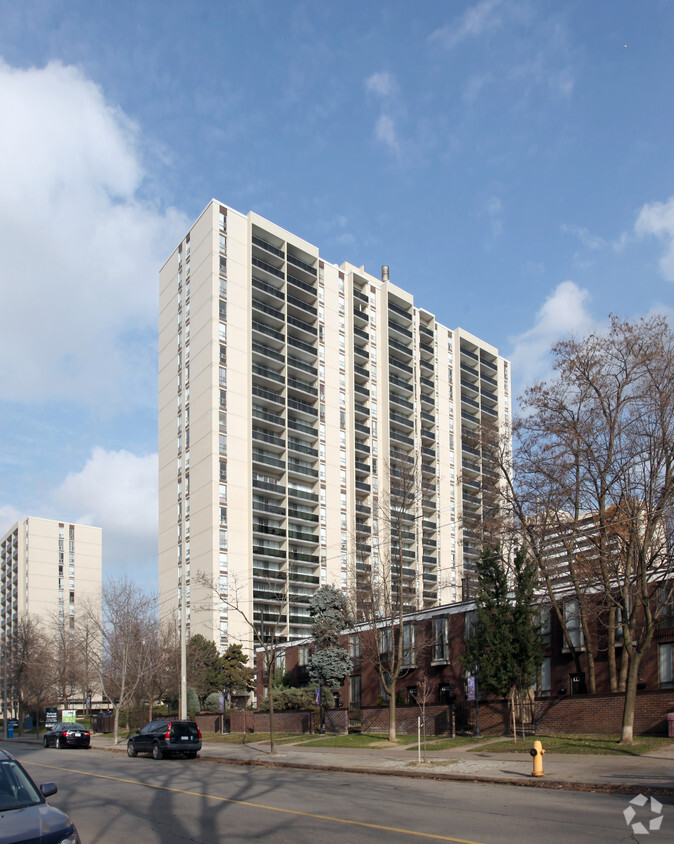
384	272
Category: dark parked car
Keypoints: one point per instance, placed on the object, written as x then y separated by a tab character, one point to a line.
165	738
67	735
25	815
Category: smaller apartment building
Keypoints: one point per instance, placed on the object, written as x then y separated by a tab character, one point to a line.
437	642
48	571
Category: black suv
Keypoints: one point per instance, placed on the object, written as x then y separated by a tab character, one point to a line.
164	738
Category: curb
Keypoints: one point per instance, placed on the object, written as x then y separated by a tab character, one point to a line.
558	785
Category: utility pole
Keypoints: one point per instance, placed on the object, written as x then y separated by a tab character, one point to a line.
4	687
183	647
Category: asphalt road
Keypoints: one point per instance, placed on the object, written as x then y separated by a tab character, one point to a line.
114	799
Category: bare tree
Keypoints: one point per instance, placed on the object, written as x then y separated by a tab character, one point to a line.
160	678
385	590
592	489
126	630
30	668
267	623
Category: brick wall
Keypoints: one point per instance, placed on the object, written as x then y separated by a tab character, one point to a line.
603	713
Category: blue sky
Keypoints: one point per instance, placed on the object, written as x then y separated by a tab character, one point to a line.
511	160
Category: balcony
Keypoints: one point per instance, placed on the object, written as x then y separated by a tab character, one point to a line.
302	386
301	305
401	438
272	418
268	530
263	244
361	372
265	506
268	268
302	448
301	427
398	364
302	407
302	265
299	467
466	352
400	401
266	437
261	328
296	363
469	402
268	395
399	347
303	515
359	314
404	332
361	353
267	459
301	536
268	352
296	343
302	285
294	492
360	409
269	374
265	287
399	382
398	310
400	420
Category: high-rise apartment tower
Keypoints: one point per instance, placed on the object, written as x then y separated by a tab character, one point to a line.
286	384
48	570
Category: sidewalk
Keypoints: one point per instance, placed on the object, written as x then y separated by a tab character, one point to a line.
651	774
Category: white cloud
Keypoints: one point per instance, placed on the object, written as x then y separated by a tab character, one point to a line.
494	208
381	83
564	312
588	240
9	516
116	491
81	249
657	219
385	132
474	21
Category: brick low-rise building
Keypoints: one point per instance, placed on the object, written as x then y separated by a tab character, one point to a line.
436	677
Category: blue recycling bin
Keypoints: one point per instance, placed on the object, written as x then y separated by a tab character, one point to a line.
10	729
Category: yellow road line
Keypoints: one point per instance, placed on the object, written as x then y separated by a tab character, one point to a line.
259	805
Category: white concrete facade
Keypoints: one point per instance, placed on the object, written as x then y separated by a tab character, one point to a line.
285	383
47	570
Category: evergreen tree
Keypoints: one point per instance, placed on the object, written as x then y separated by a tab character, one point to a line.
506	646
330	664
204	668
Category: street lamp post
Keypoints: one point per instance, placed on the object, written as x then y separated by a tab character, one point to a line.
476	671
4	687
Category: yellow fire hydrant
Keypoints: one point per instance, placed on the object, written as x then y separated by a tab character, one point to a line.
537	753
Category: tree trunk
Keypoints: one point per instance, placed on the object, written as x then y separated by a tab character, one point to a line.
513	714
622	677
392	715
272	742
627	734
612	664
115	728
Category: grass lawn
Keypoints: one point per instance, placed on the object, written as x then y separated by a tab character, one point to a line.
237	738
590	745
